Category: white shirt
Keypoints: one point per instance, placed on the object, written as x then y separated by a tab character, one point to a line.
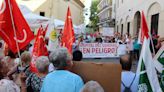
130	44
51	68
127	78
121	49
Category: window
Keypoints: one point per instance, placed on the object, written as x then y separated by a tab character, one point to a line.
154	24
122	30
128	28
117	28
42	13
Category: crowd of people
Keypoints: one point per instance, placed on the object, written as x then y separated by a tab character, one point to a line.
53	71
17	76
131	44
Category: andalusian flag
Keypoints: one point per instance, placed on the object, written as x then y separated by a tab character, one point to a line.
159	64
159	59
148	81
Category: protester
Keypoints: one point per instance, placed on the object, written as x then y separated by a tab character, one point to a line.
98	37
137	48
61	80
129	80
35	80
122	47
92	86
156	44
10	59
77	55
16	70
6	85
25	60
129	45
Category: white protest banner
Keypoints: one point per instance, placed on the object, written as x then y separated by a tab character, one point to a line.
98	50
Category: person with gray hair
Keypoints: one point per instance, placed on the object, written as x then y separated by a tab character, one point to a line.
35	80
92	86
42	64
61	80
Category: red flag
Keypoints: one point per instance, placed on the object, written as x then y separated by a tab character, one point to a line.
68	37
39	49
144	28
9	11
45	31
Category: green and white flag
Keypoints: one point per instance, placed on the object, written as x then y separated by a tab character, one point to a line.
144	84
159	59
159	64
148	80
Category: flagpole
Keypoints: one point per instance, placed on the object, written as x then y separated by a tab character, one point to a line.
13	25
152	44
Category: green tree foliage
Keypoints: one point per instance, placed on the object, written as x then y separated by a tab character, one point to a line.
93	17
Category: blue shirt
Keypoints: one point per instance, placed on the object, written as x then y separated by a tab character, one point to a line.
127	78
136	45
62	81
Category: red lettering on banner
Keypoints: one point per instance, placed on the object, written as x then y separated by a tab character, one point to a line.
106	50
93	50
86	50
98	50
103	50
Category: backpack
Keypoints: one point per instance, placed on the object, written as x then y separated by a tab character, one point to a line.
127	89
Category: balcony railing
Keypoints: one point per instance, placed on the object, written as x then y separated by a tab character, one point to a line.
104	9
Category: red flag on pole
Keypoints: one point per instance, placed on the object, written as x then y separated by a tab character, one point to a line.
68	37
45	31
144	28
40	48
10	19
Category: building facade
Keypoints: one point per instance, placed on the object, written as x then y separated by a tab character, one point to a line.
106	13
128	16
56	8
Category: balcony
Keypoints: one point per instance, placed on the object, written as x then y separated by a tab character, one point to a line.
108	21
105	8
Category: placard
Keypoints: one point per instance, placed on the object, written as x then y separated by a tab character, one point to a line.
98	50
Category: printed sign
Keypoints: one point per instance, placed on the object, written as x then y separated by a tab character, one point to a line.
108	31
98	50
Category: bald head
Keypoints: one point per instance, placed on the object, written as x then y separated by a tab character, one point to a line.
125	62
